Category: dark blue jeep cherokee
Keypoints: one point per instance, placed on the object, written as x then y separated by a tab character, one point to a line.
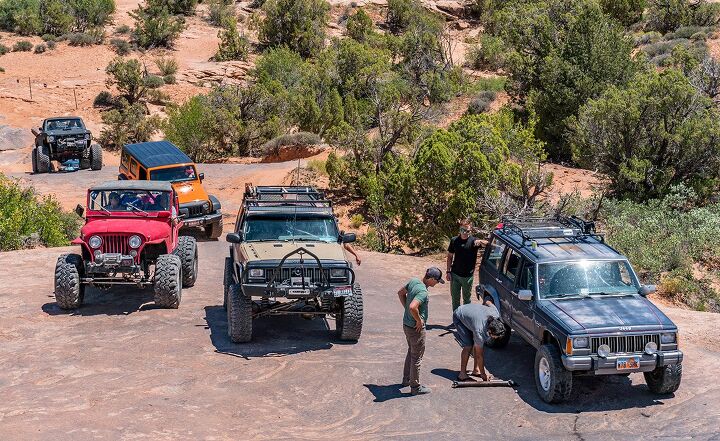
579	303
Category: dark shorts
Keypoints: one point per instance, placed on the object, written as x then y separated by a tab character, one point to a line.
463	335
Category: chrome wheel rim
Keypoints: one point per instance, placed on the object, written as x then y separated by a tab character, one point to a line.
544	374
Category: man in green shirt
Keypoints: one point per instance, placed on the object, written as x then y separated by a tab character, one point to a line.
414	298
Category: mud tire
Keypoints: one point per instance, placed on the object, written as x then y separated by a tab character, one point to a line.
96	157
42	159
559	383
349	320
69	291
168	281
214	230
239	315
227	280
499	343
85	159
33	160
664	379
186	250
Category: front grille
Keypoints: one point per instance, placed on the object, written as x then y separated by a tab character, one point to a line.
115	243
312	275
624	344
194	210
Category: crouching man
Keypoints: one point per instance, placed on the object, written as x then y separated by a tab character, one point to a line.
474	323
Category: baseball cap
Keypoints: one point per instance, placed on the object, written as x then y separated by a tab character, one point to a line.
434	273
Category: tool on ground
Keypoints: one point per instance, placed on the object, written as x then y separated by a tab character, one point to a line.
491	383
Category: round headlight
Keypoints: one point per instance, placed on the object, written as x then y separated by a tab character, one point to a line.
95	242
667	338
98	254
580	342
206	207
603	351
134	241
51	139
257	272
651	348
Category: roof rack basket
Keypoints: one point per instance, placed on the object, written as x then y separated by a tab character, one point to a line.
284	196
530	228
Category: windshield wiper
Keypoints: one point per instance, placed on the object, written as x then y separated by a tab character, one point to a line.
138	209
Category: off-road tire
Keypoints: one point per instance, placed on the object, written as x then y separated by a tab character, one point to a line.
559	386
85	159
69	291
168	281
95	157
214	230
33	160
42	159
499	343
239	315
349	320
664	379
186	250
227	280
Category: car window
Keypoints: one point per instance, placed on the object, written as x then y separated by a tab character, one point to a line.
134	167
497	248
125	160
527	278
512	265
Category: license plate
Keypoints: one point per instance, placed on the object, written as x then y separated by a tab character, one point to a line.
627	363
298	292
342	291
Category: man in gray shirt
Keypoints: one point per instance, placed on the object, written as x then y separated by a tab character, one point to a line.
474	323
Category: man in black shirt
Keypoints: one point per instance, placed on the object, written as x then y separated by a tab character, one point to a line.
461	262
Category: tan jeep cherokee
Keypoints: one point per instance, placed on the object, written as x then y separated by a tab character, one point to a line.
286	257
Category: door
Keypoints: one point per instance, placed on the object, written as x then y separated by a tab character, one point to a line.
490	275
524	310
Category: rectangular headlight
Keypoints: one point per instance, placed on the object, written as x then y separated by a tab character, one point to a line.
580	342
667	338
337	273
257	273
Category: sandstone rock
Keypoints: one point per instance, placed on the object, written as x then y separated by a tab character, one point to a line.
454	8
13	138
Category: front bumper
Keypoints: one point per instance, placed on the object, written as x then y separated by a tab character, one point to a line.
290	292
202	220
608	365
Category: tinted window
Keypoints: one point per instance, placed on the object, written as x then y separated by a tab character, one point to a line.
527	278
497	248
125	159
174	174
512	265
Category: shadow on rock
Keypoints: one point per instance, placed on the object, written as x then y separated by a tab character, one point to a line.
272	336
384	393
120	300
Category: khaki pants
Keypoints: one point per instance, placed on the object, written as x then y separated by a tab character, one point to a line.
416	350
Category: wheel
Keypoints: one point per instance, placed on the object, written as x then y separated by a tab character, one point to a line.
227	279
664	379
43	159
85	159
348	322
239	313
553	381
214	230
168	281
498	343
186	250
33	159
69	291
95	157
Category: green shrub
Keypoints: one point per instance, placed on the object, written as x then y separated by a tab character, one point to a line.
220	11
127	124
496	84
169	79
51	45
27	220
22	46
4	49
360	26
233	46
54	17
481	103
400	14
120	46
122	29
682	286
155	26
488	55
104	99
40	48
647	38
357	220
48	37
81	39
298	24
128	77
318	166
166	66
626	12
371	240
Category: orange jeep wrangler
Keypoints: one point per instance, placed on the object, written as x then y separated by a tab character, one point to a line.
163	161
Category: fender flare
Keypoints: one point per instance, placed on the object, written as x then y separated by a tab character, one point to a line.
481	291
215	203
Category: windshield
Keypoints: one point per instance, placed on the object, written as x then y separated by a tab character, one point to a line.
129	200
174	174
290	228
64	124
586	277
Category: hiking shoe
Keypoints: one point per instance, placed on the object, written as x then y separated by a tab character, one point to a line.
421	390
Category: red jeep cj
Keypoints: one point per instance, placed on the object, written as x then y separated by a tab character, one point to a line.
130	237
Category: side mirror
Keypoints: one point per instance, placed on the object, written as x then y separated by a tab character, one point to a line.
646	290
201	176
234	237
36	132
79	210
349	237
525	294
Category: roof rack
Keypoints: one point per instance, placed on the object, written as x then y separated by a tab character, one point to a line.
275	196
530	228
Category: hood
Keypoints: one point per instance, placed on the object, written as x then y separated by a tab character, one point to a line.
277	250
190	191
149	228
607	314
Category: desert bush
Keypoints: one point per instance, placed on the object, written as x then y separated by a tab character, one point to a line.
30	220
482	101
104	99
158	97
166	66
371	241
128	123
219	11
155	25
4	49
233	46
120	46
488	55
54	17
169	79
400	14
48	37
360	26
129	79
297	24
317	166
123	29
22	46
668	15
51	45
647	38
625	133
40	48
357	220
626	12
81	39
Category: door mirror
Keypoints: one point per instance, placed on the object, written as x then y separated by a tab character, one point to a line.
201	176
234	237
525	294
36	132
647	290
79	210
348	237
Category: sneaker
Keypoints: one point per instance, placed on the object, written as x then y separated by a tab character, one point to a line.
405	383
421	390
